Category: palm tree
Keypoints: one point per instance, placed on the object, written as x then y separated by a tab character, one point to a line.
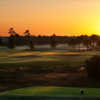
27	33
12	39
12	32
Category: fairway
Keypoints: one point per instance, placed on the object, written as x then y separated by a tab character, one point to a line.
52	93
53	57
43	66
48	71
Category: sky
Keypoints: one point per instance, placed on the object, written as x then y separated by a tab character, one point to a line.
45	17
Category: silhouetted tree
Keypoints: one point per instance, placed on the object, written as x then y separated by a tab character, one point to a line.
29	39
17	39
31	45
12	32
94	40
72	42
12	40
1	42
27	33
39	39
53	41
79	41
86	41
98	44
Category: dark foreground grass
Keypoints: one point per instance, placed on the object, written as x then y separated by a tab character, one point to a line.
48	98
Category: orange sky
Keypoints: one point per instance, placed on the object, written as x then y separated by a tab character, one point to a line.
45	17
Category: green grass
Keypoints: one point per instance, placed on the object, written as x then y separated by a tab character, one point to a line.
51	93
54	91
15	57
46	59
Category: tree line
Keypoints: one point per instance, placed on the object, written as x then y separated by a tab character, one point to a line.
90	42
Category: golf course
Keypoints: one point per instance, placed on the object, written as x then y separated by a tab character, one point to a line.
46	74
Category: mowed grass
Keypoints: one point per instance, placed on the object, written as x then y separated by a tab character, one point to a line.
43	57
47	58
54	91
51	93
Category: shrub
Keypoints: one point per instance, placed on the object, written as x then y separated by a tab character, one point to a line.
93	67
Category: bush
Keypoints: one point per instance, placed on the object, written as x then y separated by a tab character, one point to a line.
93	67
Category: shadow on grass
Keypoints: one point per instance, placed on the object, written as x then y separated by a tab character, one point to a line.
16	97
